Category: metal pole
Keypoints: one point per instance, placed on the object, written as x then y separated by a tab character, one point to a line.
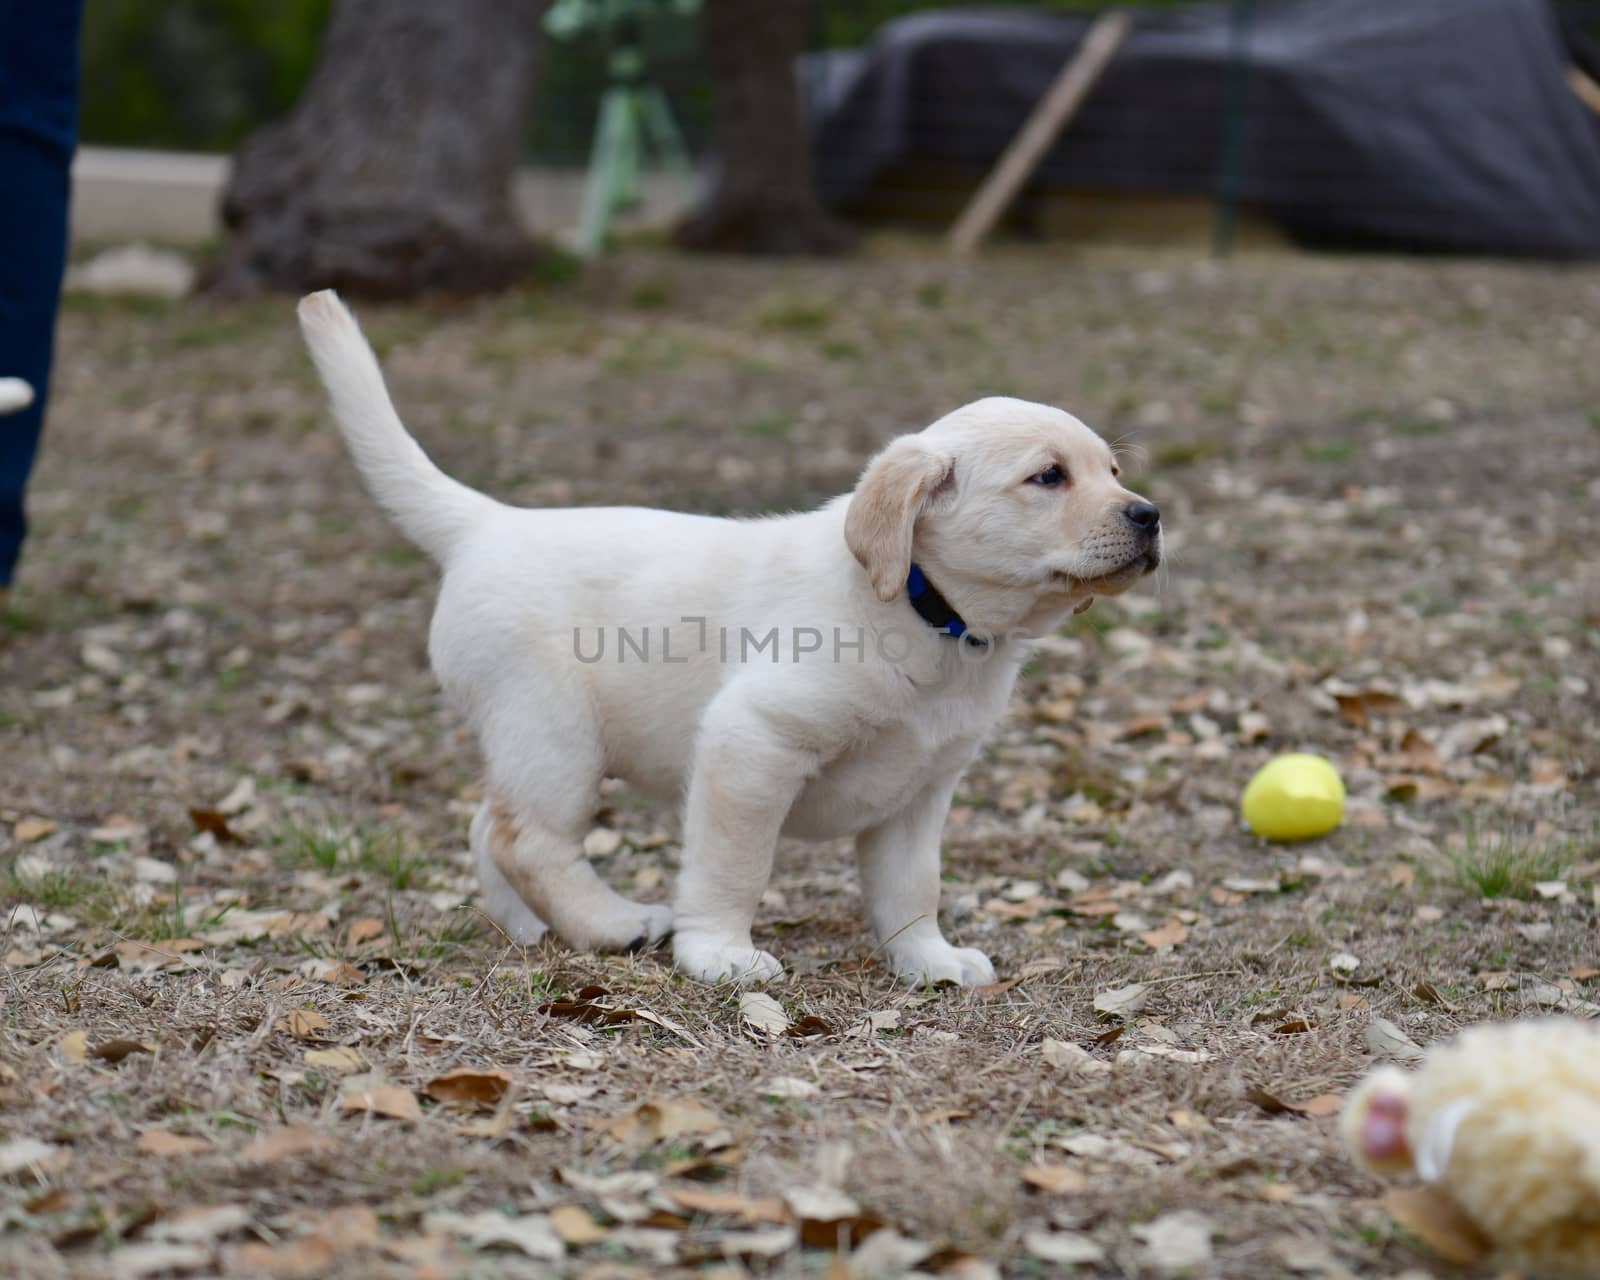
1231	163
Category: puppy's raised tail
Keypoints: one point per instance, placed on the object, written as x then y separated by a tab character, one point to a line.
429	507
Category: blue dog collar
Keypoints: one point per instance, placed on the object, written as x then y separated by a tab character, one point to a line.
934	609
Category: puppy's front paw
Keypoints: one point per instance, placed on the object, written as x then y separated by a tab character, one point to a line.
622	925
931	963
656	920
712	960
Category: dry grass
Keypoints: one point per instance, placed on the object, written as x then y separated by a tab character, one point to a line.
1381	486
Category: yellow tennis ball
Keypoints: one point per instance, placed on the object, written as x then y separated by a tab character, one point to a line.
1294	797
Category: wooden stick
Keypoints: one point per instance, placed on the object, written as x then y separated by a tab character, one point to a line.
1055	110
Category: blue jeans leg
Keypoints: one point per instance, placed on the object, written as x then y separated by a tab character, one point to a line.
38	129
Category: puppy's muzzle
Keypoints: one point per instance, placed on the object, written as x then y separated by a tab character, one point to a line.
1145	517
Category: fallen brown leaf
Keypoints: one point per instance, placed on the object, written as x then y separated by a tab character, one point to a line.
1486	786
1141	725
215	822
1388	1040
55	1200
117	1050
17	958
157	1257
151	955
1058	1179
1401	875
530	1233
574	1225
828	1218
869	1026
1267	1100
763	1243
1251	884
282	1143
789	1087
1434	1218
1419	787
1324	1104
383	1100
718	1203
469	1086
711	1165
340	1231
32	1158
303	1024
661	1119
302	923
1427	991
340	1058
1357	709
1418	754
162	1142
342	974
366	929
201	1224
119	828
1067	1056
1122	1002
1062	1248
809	1026
1166	937
1028	909
760	1012
582	1010
1094	903
30	830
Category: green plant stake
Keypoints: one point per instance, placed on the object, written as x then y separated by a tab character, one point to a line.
633	111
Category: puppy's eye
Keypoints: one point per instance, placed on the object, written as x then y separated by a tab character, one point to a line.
1115	469
1049	478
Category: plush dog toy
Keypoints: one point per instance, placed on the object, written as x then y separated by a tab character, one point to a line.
1504	1123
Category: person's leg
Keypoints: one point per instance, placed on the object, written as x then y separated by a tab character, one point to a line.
38	128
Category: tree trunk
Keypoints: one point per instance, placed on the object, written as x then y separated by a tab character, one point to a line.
763	200
392	174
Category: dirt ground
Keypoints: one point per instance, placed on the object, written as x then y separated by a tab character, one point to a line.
242	950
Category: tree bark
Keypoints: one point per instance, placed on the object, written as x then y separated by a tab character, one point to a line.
763	200
392	174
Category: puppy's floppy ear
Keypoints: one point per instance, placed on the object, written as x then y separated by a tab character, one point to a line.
899	485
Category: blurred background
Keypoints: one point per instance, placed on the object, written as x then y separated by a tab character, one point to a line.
1426	125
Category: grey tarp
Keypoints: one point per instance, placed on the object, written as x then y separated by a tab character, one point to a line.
1443	124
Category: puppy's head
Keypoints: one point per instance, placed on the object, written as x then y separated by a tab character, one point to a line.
1014	510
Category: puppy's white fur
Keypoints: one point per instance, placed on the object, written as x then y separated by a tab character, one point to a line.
857	722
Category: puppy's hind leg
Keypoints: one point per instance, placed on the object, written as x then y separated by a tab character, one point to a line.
545	764
502	903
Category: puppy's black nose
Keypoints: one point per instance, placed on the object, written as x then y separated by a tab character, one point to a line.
1142	515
